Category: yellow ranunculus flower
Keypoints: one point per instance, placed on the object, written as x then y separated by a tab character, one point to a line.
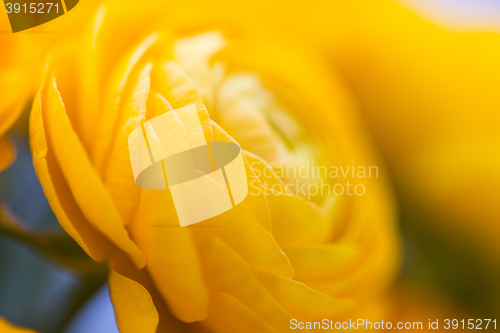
274	257
6	327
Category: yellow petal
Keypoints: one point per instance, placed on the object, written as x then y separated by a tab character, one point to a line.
82	178
246	122
228	315
251	241
123	266
193	54
90	88
134	308
102	46
300	300
157	105
255	202
226	272
264	172
172	82
107	129
67	71
118	177
172	258
7	153
59	194
322	261
376	262
371	274
6	327
243	231
297	221
108	60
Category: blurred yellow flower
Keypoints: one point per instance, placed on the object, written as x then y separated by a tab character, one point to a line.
274	257
430	96
6	327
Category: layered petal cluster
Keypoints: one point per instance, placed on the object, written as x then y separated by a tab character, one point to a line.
276	256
